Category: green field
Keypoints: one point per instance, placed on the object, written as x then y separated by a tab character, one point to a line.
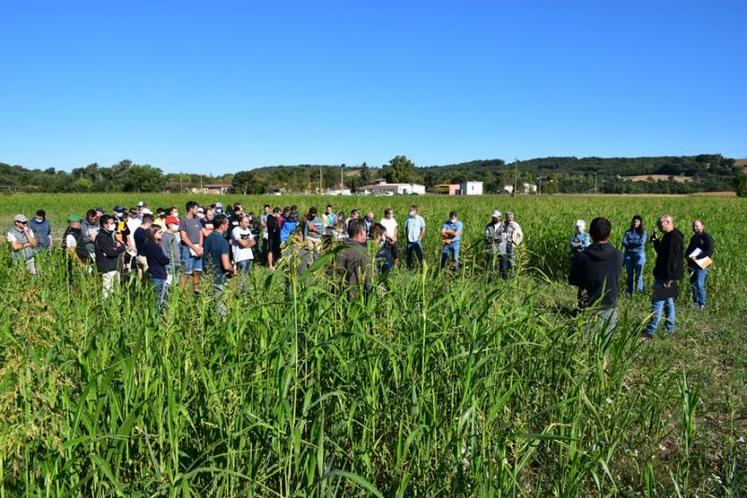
438	385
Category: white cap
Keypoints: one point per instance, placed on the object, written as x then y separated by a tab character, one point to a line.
140	204
218	205
147	211
496	214
580	223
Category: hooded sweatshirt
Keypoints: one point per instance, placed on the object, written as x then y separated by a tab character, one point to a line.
670	254
596	272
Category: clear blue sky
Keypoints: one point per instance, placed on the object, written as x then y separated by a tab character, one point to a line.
217	86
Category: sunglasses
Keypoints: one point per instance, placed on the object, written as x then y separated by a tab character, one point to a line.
23	222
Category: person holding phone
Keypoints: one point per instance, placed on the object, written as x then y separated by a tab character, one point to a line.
22	242
668	270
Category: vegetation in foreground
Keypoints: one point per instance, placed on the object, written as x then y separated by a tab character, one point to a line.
437	385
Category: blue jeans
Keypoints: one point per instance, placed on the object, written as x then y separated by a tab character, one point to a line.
634	263
244	267
190	263
659	307
417	249
161	289
698	284
507	265
450	250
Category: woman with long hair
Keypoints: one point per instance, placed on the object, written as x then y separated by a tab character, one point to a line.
634	242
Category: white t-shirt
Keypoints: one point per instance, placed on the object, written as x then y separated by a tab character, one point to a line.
70	242
242	253
390	224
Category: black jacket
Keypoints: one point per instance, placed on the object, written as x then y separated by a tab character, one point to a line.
596	272
107	253
702	241
670	254
157	260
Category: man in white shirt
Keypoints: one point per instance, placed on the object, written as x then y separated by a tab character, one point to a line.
391	233
243	241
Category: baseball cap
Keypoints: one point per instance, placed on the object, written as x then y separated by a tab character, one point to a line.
100	209
147	211
580	223
119	209
219	205
74	218
141	204
172	220
509	213
219	210
21	218
496	214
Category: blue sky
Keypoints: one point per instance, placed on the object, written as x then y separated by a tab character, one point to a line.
216	87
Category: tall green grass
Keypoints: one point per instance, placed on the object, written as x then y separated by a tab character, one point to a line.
437	385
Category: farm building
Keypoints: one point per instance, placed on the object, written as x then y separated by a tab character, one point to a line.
446	188
383	188
470	188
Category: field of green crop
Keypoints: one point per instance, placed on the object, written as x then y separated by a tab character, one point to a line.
438	385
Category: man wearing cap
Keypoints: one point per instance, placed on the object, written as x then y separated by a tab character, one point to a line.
511	237
74	243
22	242
89	229
493	239
171	246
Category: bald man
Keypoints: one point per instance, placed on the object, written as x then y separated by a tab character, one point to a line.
700	247
668	270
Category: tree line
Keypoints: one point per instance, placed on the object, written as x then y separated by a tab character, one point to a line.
703	173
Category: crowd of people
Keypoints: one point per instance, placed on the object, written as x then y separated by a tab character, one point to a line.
169	250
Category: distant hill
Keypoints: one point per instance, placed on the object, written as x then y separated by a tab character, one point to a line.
664	174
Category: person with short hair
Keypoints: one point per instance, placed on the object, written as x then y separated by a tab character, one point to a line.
580	239
313	230
42	231
511	236
264	248
243	242
353	263
108	251
218	261
329	219
22	242
171	247
634	242
74	244
140	237
596	273
370	222
289	226
699	251
391	232
668	270
451	237
89	229
156	263
192	239
415	231
493	239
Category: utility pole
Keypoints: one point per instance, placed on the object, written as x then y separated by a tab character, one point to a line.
516	171
539	187
180	182
321	188
342	177
595	183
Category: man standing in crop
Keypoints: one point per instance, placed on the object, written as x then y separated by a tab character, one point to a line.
108	251
42	230
668	270
353	263
89	229
511	236
596	273
699	252
415	231
493	239
74	244
22	242
218	261
190	231
451	236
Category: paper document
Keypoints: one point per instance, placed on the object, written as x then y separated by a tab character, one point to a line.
695	253
704	262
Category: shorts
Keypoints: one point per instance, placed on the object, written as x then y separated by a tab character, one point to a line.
190	263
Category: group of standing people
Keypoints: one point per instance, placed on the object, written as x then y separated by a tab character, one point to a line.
226	243
596	266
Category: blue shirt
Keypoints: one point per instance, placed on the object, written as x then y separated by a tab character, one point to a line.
216	246
413	225
456	226
582	238
633	241
41	230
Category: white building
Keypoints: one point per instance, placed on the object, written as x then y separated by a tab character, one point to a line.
383	188
470	188
338	191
